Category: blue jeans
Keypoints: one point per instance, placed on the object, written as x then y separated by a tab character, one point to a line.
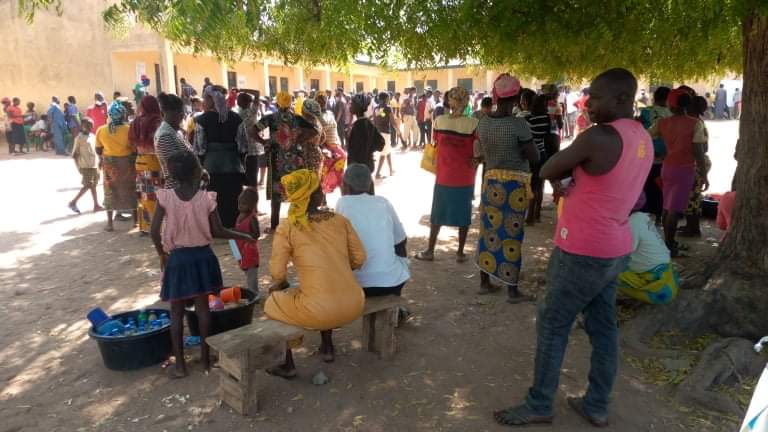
576	284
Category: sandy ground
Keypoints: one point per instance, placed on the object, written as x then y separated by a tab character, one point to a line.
461	355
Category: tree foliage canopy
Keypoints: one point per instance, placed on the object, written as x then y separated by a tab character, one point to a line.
660	39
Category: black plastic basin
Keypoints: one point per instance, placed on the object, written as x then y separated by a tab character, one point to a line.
135	351
227	319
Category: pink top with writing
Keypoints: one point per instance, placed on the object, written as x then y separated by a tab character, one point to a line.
594	216
186	222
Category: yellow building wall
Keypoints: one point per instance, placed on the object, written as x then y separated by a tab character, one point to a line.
53	56
196	68
126	71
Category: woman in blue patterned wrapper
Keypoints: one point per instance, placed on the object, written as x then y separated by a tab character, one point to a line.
506	147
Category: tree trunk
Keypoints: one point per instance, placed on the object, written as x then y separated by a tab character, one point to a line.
746	246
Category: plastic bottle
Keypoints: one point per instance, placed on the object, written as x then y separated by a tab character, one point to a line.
142	319
152	316
110	326
164	319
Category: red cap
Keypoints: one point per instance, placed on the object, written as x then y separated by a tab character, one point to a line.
6	100
674	94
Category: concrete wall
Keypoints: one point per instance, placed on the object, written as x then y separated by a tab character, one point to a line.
62	56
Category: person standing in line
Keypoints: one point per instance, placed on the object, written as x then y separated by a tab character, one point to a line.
340	113
571	112
736	104
334	157
654	199
73	117
169	137
386	122
30	118
141	89
692	227
15	119
593	241
98	111
539	123
486	107
408	116
422	113
455	137
187	91
117	156
149	177
220	145
721	102
686	139
206	83
283	154
58	126
249	114
505	145
364	137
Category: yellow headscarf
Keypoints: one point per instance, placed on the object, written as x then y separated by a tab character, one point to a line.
299	186
283	100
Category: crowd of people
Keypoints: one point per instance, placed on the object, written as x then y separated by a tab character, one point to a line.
188	168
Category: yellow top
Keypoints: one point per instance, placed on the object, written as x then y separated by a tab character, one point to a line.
116	144
328	295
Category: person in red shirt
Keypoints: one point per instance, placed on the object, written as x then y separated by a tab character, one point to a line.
15	126
98	111
422	114
685	138
248	222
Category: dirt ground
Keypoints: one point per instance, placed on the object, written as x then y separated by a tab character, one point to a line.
460	355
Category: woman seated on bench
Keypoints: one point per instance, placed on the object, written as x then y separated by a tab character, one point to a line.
324	249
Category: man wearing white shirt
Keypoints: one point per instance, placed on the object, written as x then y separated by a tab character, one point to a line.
379	228
570	110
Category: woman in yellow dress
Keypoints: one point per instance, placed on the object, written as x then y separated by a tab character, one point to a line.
324	249
149	176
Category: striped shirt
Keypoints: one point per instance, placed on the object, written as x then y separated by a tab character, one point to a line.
540	126
169	141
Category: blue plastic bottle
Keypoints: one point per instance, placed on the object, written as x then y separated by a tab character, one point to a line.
110	327
164	319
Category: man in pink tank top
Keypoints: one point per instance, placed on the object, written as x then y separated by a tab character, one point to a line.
608	164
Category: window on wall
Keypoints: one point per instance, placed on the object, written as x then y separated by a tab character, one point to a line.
340	85
419	84
231	79
359	87
466	83
272	86
314	84
391	86
283	84
433	84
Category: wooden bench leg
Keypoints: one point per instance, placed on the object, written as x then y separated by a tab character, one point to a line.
386	339
379	332
237	384
369	332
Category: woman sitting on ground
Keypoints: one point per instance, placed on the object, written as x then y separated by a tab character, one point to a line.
324	249
650	277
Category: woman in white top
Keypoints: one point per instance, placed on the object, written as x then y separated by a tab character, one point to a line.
650	277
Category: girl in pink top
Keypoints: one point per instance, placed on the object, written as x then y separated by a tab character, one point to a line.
190	269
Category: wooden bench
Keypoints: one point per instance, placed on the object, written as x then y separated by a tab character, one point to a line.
247	349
